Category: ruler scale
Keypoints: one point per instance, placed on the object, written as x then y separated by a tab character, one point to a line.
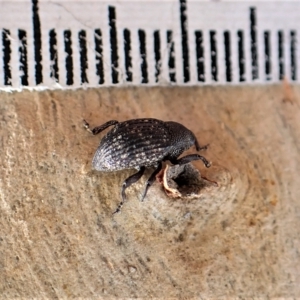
92	44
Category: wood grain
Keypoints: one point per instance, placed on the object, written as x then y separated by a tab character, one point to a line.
59	239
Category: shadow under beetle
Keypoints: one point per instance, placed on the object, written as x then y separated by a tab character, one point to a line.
141	143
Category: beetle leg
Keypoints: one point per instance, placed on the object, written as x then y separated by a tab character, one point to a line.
151	179
100	128
186	159
128	182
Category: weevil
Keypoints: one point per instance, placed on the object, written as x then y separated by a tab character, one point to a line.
142	143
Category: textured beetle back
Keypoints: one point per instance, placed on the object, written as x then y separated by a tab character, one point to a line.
133	143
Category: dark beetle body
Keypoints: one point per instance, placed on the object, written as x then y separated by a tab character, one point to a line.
141	143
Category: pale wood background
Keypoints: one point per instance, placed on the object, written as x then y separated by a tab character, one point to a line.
59	239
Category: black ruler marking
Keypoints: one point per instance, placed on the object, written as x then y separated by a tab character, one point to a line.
6	56
293	45
281	54
241	56
184	40
23	57
99	55
37	42
227	56
113	44
144	66
213	55
267	55
254	50
83	56
53	55
69	58
128	59
200	55
157	55
171	63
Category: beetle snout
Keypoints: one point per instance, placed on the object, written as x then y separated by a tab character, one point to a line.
101	166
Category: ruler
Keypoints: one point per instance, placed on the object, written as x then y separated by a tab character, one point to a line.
73	44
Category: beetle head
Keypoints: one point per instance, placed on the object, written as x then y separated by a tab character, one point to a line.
181	138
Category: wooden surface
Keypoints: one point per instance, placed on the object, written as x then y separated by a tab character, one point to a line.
58	237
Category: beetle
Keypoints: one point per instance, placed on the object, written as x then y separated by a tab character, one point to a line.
142	143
